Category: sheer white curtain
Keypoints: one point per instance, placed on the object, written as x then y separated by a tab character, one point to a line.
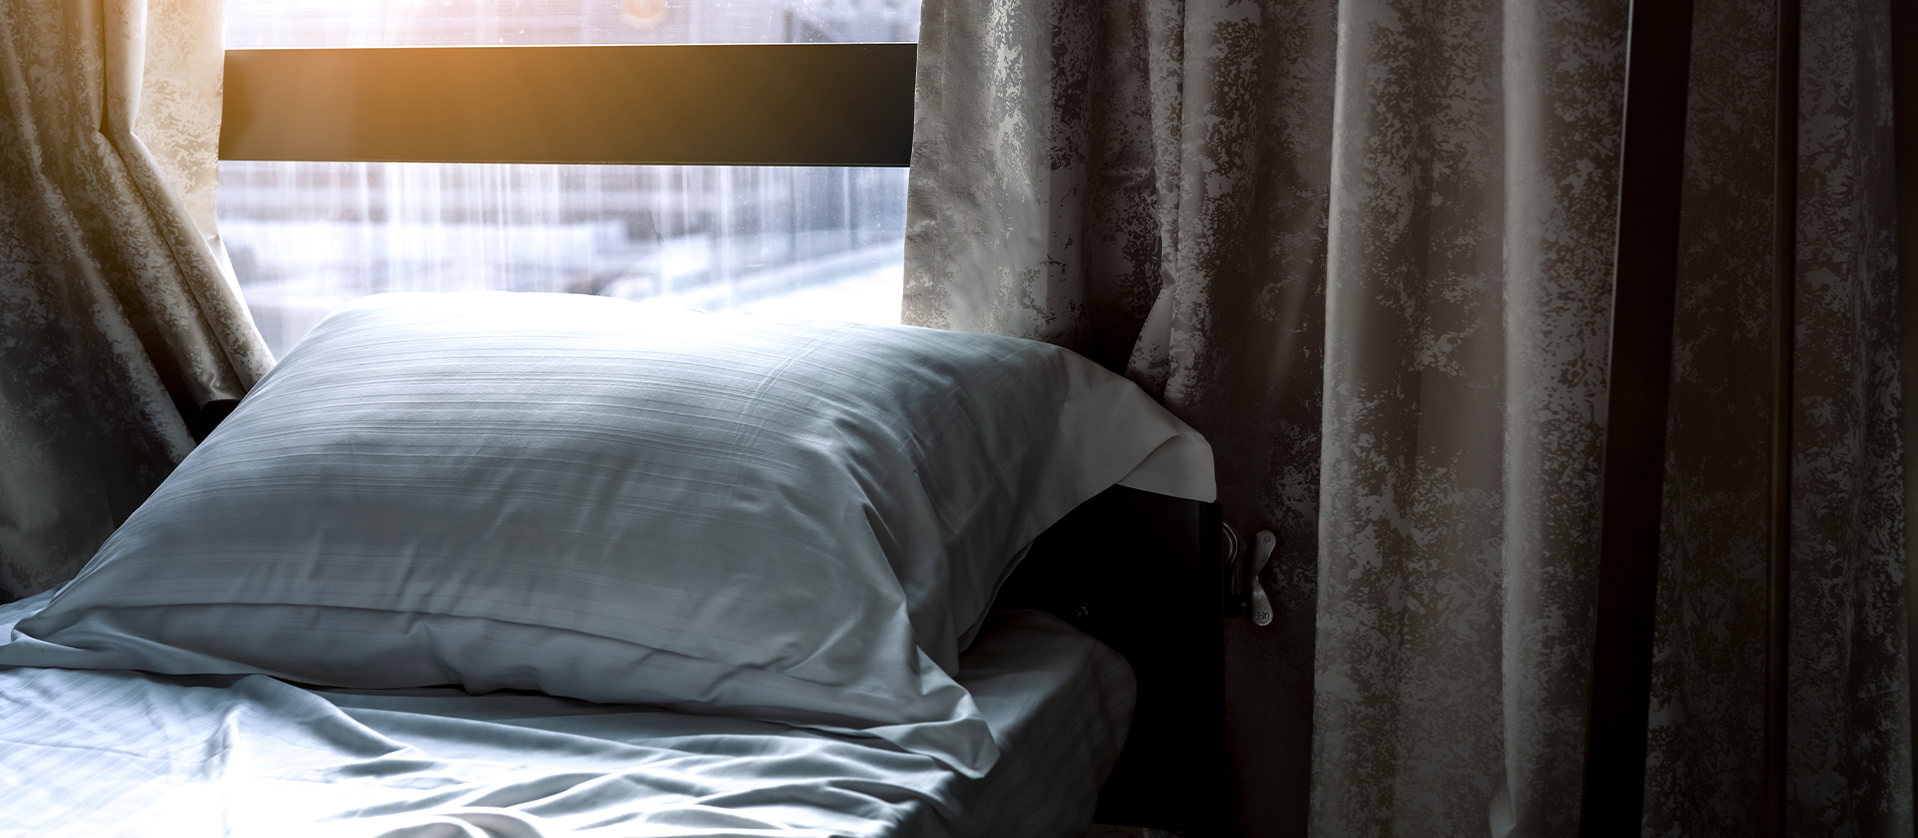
120	323
1366	247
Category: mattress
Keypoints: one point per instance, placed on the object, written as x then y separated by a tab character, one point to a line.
102	753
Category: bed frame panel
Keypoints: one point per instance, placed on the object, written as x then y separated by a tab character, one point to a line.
1142	572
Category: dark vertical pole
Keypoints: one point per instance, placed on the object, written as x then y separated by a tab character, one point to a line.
1784	291
1658	60
1904	91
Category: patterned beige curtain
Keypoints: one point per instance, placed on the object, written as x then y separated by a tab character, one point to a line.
120	322
1366	247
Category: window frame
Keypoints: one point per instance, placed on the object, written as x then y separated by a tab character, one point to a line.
724	104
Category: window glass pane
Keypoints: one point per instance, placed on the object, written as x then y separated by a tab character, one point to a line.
788	241
796	242
384	23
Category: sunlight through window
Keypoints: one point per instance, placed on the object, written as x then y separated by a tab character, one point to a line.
803	242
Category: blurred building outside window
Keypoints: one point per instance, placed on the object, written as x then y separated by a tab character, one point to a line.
800	242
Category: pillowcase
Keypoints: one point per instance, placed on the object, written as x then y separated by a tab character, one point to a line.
620	503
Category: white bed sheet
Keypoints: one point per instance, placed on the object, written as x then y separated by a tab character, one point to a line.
103	753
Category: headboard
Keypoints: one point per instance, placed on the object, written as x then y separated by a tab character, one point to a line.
1142	572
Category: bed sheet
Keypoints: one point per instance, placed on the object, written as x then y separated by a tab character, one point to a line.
102	753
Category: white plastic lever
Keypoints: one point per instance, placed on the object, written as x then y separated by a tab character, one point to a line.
1262	546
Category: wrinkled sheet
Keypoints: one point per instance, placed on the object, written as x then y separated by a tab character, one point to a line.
102	753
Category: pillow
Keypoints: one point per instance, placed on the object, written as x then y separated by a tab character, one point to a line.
616	502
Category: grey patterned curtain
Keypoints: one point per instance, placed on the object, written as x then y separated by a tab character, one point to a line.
1849	760
120	322
1366	247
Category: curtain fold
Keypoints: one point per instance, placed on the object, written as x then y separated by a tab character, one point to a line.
1468	312
1848	757
1366	247
1850	760
1707	724
121	321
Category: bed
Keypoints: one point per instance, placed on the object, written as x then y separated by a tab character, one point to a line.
397	593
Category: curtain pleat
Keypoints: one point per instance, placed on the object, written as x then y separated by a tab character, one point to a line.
1850	761
119	323
1468	307
1708	713
1366	247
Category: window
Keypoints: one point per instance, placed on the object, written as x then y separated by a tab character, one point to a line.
800	241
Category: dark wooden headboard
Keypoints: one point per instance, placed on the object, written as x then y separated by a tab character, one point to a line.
1142	572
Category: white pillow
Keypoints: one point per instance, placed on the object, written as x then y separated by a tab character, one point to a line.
615	502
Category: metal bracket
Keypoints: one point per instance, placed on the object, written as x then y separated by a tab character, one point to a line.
1245	594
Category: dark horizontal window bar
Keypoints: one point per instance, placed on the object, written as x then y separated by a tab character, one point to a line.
734	104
